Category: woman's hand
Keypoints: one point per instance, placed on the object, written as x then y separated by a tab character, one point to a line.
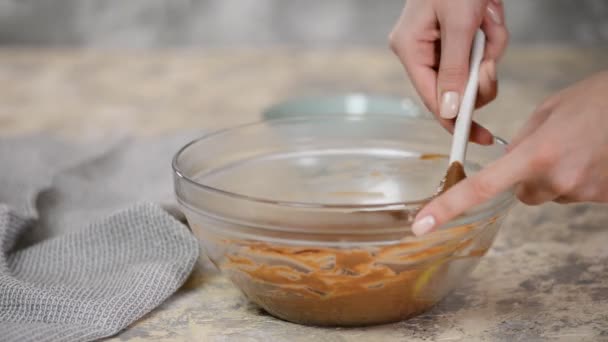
561	155
433	40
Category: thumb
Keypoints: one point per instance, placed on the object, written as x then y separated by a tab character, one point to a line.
456	42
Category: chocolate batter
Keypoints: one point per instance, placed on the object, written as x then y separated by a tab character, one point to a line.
332	286
454	175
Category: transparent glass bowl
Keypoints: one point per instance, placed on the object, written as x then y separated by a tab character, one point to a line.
310	217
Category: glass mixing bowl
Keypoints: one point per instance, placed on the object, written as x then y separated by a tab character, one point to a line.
310	217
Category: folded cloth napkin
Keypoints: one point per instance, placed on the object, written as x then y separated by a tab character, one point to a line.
81	257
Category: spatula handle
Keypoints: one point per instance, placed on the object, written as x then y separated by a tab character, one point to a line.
462	127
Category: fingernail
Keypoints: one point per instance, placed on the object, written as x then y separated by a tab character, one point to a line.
424	225
449	105
494	15
492	71
498	2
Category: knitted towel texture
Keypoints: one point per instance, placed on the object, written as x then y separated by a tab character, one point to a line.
83	251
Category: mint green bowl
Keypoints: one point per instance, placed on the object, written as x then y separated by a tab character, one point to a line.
348	104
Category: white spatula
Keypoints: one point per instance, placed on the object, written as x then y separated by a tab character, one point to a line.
464	119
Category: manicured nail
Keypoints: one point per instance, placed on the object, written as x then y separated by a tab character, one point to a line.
494	15
423	225
449	105
492	71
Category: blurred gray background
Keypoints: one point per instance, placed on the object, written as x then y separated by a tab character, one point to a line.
311	23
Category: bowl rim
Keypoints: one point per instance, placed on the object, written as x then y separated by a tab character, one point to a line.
503	200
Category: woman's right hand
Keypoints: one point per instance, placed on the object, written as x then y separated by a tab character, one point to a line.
561	155
433	40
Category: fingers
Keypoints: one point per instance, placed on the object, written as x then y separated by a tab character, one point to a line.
497	35
497	38
481	135
488	84
456	40
413	41
457	32
486	184
478	134
424	79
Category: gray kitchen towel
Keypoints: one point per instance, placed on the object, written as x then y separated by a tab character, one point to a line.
82	255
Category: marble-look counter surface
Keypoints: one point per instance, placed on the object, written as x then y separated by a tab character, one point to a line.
546	277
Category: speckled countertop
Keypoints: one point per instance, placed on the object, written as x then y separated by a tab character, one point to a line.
546	278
